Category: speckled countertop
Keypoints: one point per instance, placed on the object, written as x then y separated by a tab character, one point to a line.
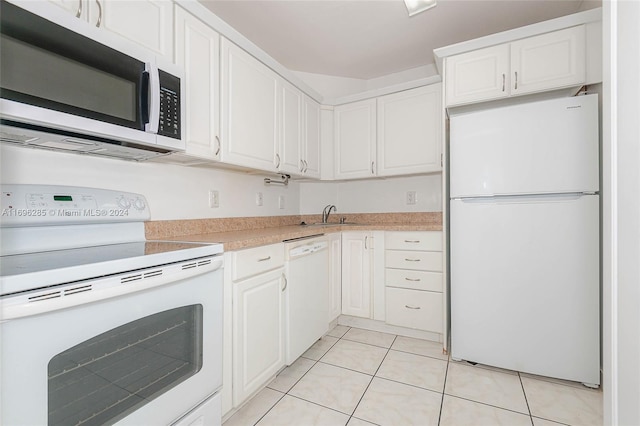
239	233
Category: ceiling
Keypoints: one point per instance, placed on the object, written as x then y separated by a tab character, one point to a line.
370	38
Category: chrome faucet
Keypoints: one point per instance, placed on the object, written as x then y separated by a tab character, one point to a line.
327	211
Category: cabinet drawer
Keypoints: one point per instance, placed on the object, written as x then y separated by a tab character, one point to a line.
417	280
414	309
427	240
417	260
257	260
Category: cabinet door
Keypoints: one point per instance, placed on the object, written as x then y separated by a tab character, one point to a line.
335	276
410	131
355	139
548	61
356	274
78	8
249	113
477	76
148	23
291	141
311	151
198	52
258	332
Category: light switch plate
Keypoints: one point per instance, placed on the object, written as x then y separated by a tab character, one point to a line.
214	199
259	199
281	201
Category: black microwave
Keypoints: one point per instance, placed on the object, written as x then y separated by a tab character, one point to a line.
59	75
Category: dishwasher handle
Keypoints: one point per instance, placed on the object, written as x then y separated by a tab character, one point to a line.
308	249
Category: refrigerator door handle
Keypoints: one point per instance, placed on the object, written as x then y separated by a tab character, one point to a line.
524	198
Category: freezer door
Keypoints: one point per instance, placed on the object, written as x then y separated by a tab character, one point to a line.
525	285
534	148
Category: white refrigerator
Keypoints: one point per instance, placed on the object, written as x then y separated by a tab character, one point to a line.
525	246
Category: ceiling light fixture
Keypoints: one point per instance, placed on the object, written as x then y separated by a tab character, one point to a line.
416	6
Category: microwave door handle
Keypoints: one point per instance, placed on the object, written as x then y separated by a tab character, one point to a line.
153	90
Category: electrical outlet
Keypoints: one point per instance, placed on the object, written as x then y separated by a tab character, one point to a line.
412	197
214	199
281	201
259	199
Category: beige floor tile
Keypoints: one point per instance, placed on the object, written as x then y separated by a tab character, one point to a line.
357	422
419	347
564	404
388	403
291	411
332	387
486	386
257	407
542	422
417	370
320	348
338	331
290	375
355	356
461	412
376	338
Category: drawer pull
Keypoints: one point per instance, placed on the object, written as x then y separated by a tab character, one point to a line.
411	260
411	307
411	241
413	279
264	259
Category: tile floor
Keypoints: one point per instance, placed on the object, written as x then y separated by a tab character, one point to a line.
360	378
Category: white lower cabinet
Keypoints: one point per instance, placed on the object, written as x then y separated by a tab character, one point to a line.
414	295
335	276
258	332
356	273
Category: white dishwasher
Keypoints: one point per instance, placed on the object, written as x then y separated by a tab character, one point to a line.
306	294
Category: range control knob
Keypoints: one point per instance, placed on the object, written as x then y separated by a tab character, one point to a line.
123	202
139	204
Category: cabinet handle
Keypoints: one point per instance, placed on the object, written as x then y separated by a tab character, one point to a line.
277	161
264	259
99	13
411	260
301	166
412	279
365	241
516	88
306	166
411	307
219	145
372	171
503	80
79	12
284	278
411	241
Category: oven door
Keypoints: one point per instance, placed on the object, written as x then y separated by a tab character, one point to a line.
144	357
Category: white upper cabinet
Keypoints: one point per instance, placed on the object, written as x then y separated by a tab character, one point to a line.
311	152
355	139
250	105
545	62
410	131
291	138
550	60
198	52
477	76
153	31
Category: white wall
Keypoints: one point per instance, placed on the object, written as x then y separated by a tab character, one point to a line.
331	87
173	192
621	213
373	195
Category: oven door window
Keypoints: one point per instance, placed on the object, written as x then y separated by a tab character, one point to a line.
101	380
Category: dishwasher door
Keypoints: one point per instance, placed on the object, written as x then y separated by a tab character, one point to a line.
306	295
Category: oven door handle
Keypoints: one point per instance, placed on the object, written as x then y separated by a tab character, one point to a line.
71	295
152	91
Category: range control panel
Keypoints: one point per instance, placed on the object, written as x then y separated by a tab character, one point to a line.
35	205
